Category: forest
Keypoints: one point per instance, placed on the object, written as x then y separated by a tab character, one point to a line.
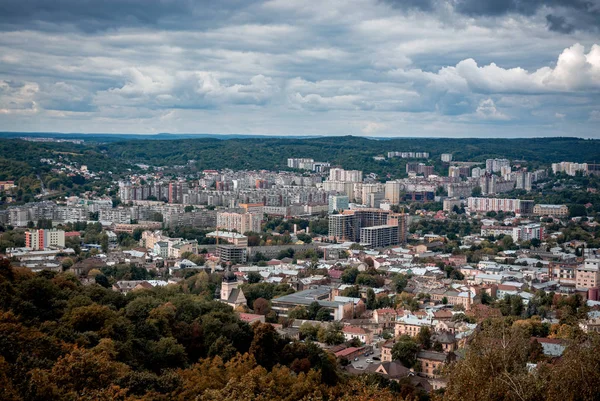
61	340
272	153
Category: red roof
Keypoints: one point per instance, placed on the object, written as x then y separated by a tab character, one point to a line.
386	310
346	351
72	234
249	317
355	330
334	273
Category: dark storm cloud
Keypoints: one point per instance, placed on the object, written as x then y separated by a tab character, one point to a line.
424	5
565	16
95	15
559	24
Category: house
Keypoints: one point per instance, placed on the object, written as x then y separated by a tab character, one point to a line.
392	370
386	351
432	362
592	323
364	335
447	340
385	317
410	325
251	318
126	286
349	353
443	315
552	347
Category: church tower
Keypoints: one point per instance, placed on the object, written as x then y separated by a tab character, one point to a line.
229	284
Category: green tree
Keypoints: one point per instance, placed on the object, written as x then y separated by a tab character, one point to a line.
254	277
371	301
424	337
349	275
104	242
405	350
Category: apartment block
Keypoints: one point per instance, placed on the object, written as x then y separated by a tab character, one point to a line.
588	275
240	222
40	239
380	236
551	210
484	205
338	203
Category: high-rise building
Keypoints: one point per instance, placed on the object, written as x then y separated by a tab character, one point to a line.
528	232
339	174
495	165
569	167
484	205
40	239
347	226
380	236
393	191
240	222
338	203
446	157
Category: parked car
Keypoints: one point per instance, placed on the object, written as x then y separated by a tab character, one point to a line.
369	361
376	358
356	359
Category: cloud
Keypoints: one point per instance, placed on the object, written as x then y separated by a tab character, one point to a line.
431	67
93	16
559	24
157	88
565	15
575	71
487	110
18	97
371	127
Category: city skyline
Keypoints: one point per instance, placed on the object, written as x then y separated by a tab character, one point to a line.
360	67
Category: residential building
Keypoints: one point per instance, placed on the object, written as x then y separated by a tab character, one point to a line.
240	222
233	238
339	174
338	203
569	167
386	317
495	165
484	205
551	210
588	275
40	239
431	363
528	232
380	236
364	335
446	157
232	254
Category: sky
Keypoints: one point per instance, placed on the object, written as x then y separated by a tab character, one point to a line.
381	68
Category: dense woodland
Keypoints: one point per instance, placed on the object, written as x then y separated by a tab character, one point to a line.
60	340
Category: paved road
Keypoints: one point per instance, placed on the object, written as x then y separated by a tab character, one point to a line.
362	360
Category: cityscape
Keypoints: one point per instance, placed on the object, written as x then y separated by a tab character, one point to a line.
266	200
388	275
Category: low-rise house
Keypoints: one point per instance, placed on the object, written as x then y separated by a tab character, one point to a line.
431	362
386	351
447	340
592	323
126	286
386	317
251	318
411	325
352	332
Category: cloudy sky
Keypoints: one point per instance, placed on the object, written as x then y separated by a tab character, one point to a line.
486	68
